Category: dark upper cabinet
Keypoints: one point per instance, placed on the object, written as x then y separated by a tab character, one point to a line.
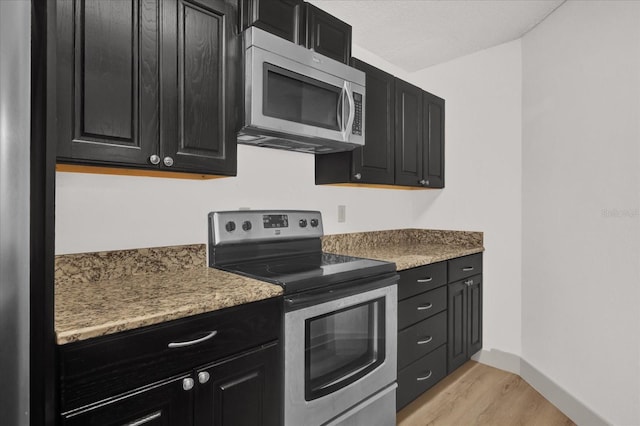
409	131
326	34
280	17
245	391
404	142
433	140
301	23
201	85
137	92
373	163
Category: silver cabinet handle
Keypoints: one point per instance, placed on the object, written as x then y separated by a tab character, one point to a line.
425	341
187	384
425	280
424	182
168	161
425	307
192	342
154	159
357	176
145	419
203	377
468	268
469	283
420	379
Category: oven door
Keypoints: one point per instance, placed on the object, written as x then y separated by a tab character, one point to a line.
292	98
339	353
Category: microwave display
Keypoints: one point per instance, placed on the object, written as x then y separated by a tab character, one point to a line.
275	221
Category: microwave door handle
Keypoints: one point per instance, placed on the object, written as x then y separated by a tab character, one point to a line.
352	112
340	109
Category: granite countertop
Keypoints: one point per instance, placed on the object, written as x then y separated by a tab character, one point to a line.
106	292
102	293
407	248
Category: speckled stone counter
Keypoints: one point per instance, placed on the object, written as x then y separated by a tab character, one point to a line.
102	293
106	292
407	248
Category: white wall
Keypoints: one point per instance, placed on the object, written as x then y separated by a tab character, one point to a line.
483	175
581	139
102	212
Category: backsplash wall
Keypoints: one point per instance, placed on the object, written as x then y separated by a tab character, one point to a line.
105	212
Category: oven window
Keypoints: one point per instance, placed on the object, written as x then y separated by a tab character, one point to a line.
297	98
342	347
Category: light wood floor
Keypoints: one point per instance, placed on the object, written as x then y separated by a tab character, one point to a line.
476	394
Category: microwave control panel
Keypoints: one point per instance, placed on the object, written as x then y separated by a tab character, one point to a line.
356	129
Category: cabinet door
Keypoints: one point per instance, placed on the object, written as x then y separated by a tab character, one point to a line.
242	391
458	325
474	293
201	85
279	17
107	81
165	404
327	35
409	136
433	134
375	161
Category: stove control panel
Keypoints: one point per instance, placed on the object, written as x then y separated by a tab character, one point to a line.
244	226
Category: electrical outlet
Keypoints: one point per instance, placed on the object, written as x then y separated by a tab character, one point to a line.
342	214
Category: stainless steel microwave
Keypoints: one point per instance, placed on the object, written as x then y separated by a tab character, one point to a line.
299	100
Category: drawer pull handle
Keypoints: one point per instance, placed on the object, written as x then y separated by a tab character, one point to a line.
420	379
425	280
425	341
425	307
467	269
193	342
145	419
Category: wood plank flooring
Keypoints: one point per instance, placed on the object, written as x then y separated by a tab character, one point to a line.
476	394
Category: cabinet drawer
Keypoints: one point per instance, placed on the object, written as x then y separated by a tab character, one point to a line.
463	267
416	378
97	368
418	340
417	280
422	306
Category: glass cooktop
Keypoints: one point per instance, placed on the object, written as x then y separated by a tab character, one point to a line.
309	271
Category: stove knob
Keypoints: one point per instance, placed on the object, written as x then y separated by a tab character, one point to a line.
303	223
246	225
230	226
314	222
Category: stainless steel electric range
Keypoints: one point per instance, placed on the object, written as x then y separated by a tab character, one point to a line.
340	315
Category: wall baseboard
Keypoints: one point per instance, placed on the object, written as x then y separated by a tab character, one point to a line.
554	393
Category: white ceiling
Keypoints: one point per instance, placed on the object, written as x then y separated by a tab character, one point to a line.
415	34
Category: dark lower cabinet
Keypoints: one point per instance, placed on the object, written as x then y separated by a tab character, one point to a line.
465	320
164	404
215	369
439	322
149	84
